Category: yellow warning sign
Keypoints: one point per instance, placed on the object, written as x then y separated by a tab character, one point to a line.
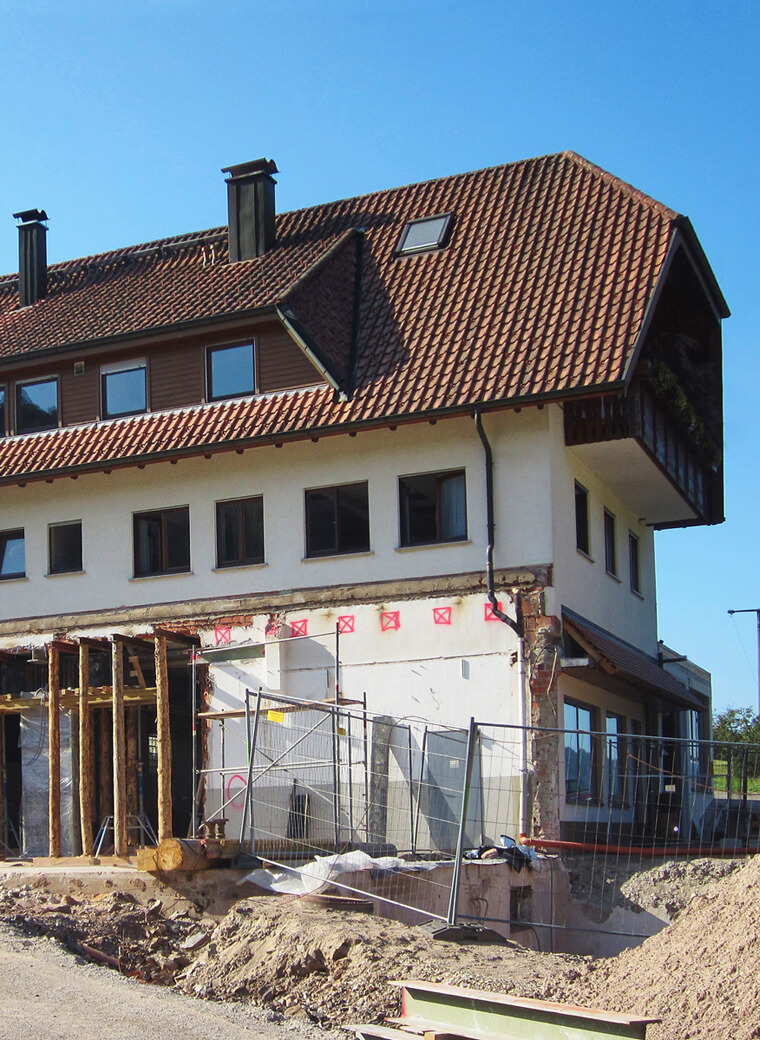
275	716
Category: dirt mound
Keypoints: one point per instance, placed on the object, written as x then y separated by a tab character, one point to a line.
699	975
334	966
671	886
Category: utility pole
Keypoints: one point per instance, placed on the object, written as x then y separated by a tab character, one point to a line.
756	612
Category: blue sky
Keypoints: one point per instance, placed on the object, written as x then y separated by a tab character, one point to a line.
117	117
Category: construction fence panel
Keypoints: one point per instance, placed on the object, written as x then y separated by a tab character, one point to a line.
387	793
605	808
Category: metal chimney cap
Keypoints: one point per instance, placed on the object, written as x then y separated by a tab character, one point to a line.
27	216
268	166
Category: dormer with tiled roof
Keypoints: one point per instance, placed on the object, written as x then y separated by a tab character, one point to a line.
557	282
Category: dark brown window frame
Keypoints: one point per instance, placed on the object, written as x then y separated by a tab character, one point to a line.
339	548
247	558
215	348
164	516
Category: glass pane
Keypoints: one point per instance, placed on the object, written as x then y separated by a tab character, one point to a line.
124	392
228	533
453	507
231	371
418	509
37	406
353	518
321	525
424	234
2	411
253	530
177	540
65	548
12	556
581	519
148	542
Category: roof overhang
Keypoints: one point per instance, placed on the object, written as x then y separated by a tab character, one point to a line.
611	657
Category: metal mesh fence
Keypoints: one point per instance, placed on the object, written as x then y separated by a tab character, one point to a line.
319	782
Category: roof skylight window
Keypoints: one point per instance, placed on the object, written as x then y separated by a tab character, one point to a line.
420	236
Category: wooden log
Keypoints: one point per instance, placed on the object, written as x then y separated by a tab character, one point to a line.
119	752
164	746
181	854
85	752
54	752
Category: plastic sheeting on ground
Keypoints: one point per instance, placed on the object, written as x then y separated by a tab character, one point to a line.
301	881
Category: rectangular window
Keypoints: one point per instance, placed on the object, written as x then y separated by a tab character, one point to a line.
615	726
12	556
37	406
240	532
433	508
2	411
579	752
230	371
337	520
610	554
582	541
123	389
633	562
162	541
65	547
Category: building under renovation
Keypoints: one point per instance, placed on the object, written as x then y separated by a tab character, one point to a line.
402	455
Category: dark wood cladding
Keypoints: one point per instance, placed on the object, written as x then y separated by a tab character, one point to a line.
176	372
282	365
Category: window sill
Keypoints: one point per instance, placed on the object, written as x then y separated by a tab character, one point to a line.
433	545
338	556
613	576
637	594
63	574
239	567
585	555
14	577
162	574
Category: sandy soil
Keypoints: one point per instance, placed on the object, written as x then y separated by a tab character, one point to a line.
303	965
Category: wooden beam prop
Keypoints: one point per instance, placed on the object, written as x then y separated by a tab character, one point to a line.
105	764
119	752
163	741
54	752
85	752
181	854
3	808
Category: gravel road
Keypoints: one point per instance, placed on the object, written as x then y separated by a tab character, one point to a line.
50	994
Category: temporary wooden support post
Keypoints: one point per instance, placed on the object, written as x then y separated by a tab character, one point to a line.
119	752
132	756
163	740
54	752
85	752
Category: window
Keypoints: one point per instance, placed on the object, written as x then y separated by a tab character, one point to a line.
162	541
579	752
337	520
240	532
582	542
615	726
12	557
433	508
633	562
2	411
123	389
65	547
610	555
230	371
37	406
422	235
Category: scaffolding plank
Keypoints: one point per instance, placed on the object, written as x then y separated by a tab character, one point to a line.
431	1006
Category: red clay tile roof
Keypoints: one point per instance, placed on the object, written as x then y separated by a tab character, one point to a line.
541	290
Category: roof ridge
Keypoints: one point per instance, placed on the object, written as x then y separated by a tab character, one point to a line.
624	186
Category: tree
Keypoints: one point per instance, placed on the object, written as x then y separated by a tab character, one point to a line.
738	726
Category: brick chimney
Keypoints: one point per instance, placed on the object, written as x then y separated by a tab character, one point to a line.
32	255
250	207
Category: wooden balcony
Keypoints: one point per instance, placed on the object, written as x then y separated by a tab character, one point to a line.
638	415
